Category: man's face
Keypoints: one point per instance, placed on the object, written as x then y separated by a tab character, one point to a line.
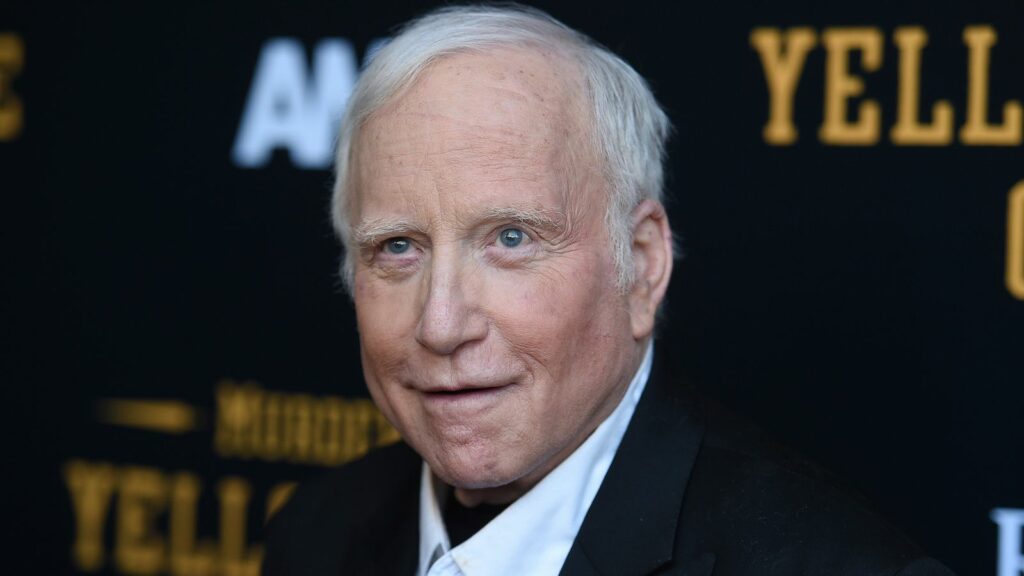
493	335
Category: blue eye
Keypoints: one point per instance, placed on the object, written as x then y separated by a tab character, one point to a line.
511	237
396	245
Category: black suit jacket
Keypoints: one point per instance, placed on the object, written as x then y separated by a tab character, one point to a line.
692	491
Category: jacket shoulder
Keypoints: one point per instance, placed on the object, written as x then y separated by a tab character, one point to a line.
764	509
333	520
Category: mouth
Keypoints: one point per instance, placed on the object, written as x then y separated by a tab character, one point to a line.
466	397
463	391
466	387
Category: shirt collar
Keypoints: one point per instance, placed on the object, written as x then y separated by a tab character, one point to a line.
534	534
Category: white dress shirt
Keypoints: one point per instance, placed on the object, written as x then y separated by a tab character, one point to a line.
534	534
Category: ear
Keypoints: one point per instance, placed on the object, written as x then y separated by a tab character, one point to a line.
652	265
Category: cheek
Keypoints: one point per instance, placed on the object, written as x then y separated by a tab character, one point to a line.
383	341
550	314
383	317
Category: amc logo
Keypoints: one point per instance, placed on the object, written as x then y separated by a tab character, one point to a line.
294	106
1010	558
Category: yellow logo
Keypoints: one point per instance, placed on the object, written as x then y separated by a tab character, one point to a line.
12	59
784	53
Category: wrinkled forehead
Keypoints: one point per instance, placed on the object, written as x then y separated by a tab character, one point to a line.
511	113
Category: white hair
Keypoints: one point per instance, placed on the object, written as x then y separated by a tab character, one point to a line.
629	127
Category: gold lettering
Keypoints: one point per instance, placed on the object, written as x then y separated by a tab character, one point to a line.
12	60
166	416
239	419
1015	242
976	130
234	499
184	500
783	57
278	497
327	421
91	486
138	550
271	426
298	423
908	131
186	558
840	86
357	438
274	442
201	562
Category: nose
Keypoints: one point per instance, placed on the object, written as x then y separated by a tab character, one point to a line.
450	316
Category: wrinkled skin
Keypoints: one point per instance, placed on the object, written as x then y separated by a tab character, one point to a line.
493	334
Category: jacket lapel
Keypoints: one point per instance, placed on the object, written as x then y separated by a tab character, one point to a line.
631	526
394	530
399	556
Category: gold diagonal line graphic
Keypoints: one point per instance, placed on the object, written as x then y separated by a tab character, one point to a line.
167	416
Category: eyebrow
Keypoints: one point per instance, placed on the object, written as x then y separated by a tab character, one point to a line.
368	233
548	220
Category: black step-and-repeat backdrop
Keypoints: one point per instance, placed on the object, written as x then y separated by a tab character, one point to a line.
848	182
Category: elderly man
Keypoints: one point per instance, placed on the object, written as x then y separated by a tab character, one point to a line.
498	191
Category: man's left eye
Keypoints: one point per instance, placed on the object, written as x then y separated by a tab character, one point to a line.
397	245
511	237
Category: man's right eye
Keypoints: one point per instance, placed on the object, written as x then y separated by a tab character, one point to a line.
397	245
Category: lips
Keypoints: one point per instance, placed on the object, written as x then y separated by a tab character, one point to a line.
463	388
465	398
463	393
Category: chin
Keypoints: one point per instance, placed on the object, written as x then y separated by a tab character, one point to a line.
472	471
